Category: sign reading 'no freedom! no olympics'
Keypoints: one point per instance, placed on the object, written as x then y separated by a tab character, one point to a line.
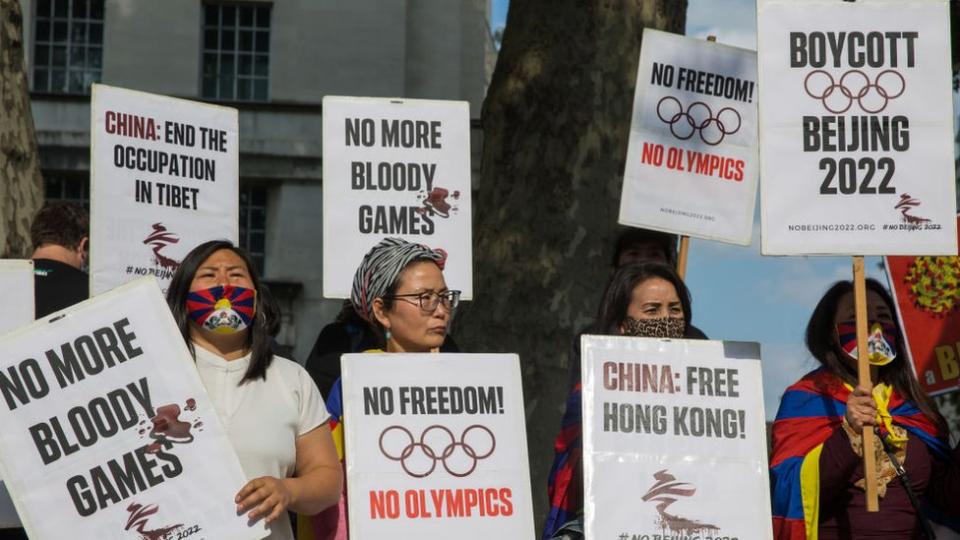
692	160
856	128
681	422
108	431
164	179
395	167
436	446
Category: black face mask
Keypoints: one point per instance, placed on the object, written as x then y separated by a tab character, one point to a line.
661	327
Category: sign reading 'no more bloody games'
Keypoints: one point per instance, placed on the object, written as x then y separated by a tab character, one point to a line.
164	179
399	168
436	446
682	423
692	158
107	430
856	128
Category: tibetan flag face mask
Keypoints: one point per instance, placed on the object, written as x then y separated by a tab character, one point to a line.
881	341
224	310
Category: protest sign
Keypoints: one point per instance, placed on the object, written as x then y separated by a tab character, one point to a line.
436	446
926	291
107	430
164	179
692	157
682	424
856	127
16	288
400	168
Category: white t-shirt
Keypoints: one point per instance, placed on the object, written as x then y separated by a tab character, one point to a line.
263	418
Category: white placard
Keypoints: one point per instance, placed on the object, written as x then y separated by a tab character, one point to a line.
108	432
436	447
395	167
164	179
857	128
692	157
16	287
681	424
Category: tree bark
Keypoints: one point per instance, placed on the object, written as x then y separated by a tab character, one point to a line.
555	125
21	193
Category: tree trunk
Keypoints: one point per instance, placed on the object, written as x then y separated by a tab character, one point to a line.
555	128
21	193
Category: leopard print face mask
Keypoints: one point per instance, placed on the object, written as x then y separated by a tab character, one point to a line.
662	327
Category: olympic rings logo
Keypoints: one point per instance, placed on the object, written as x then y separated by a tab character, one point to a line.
698	118
437	444
854	85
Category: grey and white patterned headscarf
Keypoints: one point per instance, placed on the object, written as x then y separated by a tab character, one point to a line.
381	268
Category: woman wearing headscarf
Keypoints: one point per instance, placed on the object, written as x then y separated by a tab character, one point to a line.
646	299
816	469
400	291
273	413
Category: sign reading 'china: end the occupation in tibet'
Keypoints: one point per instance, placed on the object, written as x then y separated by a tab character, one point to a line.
856	128
436	447
164	179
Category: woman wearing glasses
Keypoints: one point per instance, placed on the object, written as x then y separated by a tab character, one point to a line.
399	289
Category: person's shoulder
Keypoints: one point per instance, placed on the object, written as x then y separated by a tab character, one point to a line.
282	364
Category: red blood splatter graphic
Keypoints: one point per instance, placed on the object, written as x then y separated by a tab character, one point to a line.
436	202
168	428
191	405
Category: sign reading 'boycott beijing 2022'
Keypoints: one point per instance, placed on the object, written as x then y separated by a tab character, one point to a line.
395	167
856	126
436	446
692	160
107	429
681	424
164	179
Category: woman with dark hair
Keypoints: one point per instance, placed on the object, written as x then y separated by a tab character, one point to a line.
645	300
816	469
400	291
273	413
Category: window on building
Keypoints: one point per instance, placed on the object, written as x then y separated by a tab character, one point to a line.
67	45
66	187
236	51
253	223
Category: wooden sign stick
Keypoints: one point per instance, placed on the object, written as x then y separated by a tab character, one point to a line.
682	258
863	371
684	239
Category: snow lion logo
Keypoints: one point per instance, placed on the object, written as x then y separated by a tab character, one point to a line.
665	492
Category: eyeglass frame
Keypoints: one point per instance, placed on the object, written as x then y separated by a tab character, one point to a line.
452	296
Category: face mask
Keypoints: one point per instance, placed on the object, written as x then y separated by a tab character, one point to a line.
224	310
663	327
881	341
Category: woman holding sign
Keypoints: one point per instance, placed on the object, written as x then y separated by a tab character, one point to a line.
817	467
399	289
646	299
274	414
